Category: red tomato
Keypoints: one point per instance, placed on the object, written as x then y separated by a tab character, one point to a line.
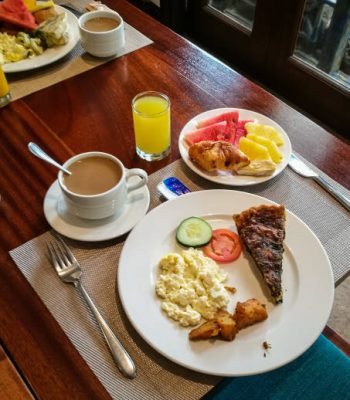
224	246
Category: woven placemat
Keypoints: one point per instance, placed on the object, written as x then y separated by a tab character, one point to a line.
77	61
157	377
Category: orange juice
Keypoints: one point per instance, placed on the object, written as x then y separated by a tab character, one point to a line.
151	114
4	87
5	95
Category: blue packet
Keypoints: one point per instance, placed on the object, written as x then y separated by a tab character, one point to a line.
172	187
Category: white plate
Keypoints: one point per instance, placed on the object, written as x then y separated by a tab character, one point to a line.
226	178
94	231
54	53
291	326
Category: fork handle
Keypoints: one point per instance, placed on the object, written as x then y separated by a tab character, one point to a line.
345	201
124	362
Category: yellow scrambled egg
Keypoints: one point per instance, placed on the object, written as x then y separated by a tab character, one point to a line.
19	47
191	286
10	50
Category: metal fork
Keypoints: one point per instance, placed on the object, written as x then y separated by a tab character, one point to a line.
69	270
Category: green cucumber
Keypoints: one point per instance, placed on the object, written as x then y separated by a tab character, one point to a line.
194	232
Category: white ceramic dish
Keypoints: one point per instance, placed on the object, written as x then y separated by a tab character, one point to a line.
291	327
50	55
89	230
102	44
226	178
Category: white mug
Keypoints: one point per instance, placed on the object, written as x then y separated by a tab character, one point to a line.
107	203
104	43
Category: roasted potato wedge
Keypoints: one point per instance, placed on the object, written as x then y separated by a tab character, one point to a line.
222	326
228	326
205	331
249	313
225	325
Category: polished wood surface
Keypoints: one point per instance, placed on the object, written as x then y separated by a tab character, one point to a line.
342	344
92	111
12	385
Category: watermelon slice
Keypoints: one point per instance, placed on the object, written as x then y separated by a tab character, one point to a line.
242	122
207	133
219	131
230	133
16	13
227	116
240	130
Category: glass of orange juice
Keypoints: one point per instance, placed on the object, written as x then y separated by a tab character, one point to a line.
151	115
5	95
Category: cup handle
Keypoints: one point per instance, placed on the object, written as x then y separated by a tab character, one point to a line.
136	172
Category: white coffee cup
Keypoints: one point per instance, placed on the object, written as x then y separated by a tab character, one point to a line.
107	203
104	43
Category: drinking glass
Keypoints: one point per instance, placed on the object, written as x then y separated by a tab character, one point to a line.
151	115
5	95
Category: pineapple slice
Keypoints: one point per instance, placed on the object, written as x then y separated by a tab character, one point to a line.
34	6
266	131
253	150
275	154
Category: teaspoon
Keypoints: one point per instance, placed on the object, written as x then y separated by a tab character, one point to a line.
37	151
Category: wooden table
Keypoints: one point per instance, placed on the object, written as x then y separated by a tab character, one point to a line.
91	111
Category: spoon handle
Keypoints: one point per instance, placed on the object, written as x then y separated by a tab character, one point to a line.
37	151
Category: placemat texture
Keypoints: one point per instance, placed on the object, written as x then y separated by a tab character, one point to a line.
157	377
74	63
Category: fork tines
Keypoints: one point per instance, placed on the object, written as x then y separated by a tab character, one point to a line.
60	253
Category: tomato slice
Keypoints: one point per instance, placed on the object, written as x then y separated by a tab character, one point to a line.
225	246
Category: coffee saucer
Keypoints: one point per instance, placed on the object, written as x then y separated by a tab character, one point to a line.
77	228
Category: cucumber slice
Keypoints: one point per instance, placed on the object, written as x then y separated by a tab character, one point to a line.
194	232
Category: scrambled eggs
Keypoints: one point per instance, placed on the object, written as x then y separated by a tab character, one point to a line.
16	48
191	287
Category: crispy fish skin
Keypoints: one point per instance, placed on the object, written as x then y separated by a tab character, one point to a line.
217	155
262	230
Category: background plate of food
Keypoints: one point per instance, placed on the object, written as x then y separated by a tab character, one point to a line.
67	31
150	279
234	147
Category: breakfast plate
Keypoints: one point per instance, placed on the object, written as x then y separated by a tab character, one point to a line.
52	54
77	228
291	328
226	178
